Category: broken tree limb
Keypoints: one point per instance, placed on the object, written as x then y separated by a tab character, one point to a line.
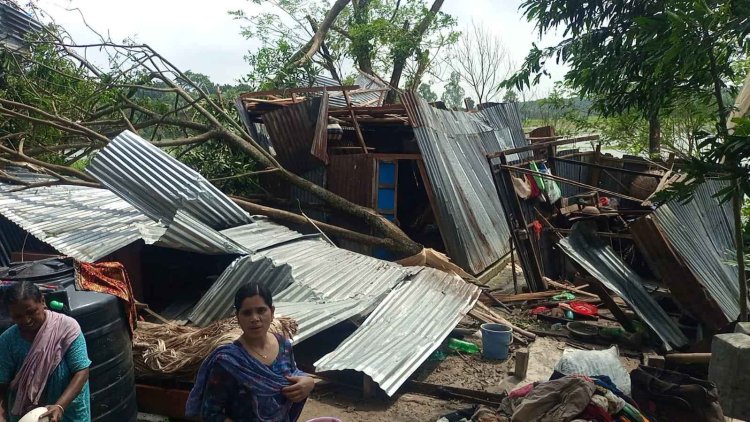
290	217
312	46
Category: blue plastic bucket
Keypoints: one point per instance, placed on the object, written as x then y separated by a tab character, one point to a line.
496	338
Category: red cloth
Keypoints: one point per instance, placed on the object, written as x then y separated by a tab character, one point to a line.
110	278
521	391
593	412
535	192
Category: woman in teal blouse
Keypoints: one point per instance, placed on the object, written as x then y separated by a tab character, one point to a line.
64	391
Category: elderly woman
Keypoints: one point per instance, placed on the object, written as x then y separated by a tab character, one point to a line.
254	378
43	360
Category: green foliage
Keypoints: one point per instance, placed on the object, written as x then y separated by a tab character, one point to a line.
270	61
425	91
220	164
370	34
639	55
510	96
453	94
45	78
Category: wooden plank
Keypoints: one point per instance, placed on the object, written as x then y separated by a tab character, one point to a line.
343	88
522	363
610	168
357	131
545	145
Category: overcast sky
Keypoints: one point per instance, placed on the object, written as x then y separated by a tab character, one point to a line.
200	35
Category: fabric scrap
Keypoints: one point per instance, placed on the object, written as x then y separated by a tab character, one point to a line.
561	400
110	278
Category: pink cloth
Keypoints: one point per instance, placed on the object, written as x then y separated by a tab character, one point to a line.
54	338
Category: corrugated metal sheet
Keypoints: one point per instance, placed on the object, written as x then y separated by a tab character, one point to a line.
317	175
454	146
673	271
360	189
81	222
314	317
158	185
578	173
357	277
404	329
370	93
15	25
187	233
600	261
702	233
261	234
293	131
218	302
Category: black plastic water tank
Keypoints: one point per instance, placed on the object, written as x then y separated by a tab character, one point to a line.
104	325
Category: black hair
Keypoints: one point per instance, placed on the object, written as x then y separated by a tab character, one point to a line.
21	291
250	290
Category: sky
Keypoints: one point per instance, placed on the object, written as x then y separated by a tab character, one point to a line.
201	36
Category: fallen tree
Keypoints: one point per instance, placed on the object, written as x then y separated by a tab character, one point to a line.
59	108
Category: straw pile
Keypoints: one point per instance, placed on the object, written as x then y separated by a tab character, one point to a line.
176	352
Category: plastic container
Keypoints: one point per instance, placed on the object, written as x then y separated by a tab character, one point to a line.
105	328
496	339
462	346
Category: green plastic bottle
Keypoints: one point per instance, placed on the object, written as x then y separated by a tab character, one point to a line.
457	345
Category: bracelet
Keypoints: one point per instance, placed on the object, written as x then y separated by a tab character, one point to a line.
62	409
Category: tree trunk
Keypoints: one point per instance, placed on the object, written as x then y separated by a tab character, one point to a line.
362	48
400	61
290	217
654	136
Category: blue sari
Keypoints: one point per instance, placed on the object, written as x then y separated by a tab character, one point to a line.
233	384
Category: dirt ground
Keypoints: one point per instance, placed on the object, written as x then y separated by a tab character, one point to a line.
465	371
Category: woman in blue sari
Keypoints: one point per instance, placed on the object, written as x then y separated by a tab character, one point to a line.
254	378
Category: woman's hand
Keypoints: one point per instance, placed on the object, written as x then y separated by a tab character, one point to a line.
54	413
299	390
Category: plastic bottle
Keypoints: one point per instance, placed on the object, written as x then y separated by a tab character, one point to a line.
457	345
56	306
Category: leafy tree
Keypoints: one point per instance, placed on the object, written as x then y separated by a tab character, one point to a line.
453	94
510	96
636	55
397	37
425	91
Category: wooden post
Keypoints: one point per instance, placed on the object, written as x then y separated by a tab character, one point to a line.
518	225
357	131
607	300
522	363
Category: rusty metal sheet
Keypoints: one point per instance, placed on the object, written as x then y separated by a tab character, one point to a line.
359	189
293	131
683	284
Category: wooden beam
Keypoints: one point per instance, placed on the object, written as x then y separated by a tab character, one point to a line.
545	145
603	167
358	132
283	92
